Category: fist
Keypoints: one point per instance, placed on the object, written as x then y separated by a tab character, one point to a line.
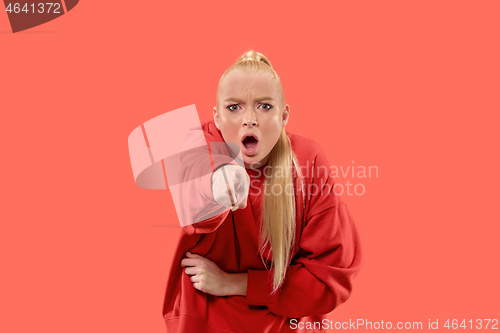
231	190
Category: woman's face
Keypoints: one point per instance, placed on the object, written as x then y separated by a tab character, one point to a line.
251	104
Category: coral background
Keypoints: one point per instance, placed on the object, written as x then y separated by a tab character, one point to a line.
409	87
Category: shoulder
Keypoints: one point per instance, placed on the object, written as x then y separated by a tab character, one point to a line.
212	133
313	162
315	172
306	149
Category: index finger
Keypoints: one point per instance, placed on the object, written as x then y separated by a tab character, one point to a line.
238	175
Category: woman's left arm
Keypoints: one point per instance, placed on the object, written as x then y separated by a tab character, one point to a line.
320	276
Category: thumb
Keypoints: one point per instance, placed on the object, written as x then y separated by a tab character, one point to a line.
238	179
238	174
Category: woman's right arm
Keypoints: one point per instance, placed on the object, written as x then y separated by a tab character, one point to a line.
199	212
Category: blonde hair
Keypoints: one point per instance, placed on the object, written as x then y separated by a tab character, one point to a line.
278	210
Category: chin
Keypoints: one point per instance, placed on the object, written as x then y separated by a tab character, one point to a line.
255	160
248	160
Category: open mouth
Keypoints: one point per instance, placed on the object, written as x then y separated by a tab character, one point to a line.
250	142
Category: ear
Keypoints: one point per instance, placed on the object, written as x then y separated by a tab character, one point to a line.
216	117
286	114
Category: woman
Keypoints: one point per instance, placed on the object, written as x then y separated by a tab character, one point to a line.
288	249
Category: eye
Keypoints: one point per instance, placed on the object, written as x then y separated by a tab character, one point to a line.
229	107
267	108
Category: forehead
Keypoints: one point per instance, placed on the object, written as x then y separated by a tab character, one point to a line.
240	85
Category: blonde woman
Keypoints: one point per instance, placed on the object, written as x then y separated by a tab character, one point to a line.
285	254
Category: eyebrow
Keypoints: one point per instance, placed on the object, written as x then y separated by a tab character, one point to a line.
232	99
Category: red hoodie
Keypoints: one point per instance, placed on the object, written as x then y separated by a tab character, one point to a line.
326	256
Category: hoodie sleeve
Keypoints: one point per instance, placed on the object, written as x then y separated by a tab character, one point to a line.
319	277
197	209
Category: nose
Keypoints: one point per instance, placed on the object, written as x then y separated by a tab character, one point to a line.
249	119
252	123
